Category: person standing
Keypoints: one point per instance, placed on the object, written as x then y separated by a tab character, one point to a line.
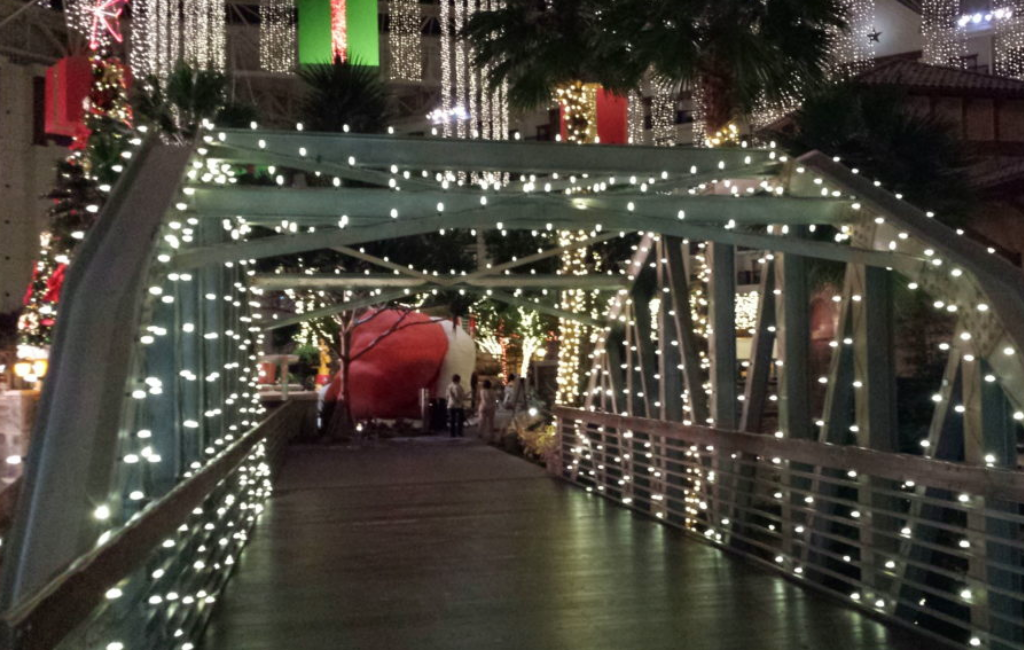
456	395
486	406
510	392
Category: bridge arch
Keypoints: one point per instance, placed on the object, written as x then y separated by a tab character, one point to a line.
152	458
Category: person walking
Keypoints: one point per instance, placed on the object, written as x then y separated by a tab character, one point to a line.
487	404
456	395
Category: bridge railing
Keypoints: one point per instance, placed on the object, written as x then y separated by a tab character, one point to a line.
929	544
104	595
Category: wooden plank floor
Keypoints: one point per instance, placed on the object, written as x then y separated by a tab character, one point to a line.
455	545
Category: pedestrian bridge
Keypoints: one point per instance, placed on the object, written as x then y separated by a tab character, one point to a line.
695	496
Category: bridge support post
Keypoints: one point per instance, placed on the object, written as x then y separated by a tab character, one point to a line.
794	389
877	427
988	432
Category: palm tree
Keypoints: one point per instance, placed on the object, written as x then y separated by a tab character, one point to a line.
550	49
178	105
736	53
343	93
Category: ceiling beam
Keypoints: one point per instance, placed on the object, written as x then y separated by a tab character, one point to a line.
416	154
340	282
324	207
525	220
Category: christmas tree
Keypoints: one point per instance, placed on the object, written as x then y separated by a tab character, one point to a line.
83	180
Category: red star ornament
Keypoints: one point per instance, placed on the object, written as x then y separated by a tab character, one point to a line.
106	16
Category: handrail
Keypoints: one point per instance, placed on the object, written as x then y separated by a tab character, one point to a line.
930	545
988	482
80	408
72	595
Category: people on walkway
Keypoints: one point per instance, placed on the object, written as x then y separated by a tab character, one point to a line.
515	398
456	395
508	397
487	404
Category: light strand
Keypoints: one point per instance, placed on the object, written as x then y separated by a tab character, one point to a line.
944	39
405	42
277	35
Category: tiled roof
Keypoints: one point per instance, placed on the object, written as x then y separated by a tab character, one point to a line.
939	80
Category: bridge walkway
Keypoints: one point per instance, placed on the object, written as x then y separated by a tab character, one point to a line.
451	545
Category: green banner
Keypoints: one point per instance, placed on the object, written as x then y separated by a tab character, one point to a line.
363	32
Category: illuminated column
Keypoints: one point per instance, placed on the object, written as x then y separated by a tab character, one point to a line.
277	36
404	41
446	68
343	28
1009	47
944	39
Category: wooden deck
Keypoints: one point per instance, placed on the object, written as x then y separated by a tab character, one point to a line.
454	545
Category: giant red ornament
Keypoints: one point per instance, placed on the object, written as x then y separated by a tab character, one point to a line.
386	381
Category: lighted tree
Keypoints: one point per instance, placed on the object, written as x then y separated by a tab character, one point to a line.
734	54
83	180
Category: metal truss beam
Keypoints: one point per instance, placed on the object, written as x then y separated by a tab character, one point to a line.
340	282
518	219
324	206
517	157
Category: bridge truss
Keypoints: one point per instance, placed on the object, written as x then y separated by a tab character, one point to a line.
152	458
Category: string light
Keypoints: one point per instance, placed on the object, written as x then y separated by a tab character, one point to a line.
663	112
1009	46
203	33
635	118
405	42
852	49
277	35
461	71
446	66
944	39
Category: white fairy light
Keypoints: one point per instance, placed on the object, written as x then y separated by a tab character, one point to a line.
461	71
203	33
663	112
944	39
852	48
635	118
277	35
404	39
446	67
1009	46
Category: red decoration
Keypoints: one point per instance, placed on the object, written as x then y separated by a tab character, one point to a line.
106	22
268	372
612	118
54	284
68	83
339	29
386	381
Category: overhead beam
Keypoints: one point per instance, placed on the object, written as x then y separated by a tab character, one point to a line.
517	219
387	264
324	206
446	154
343	281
